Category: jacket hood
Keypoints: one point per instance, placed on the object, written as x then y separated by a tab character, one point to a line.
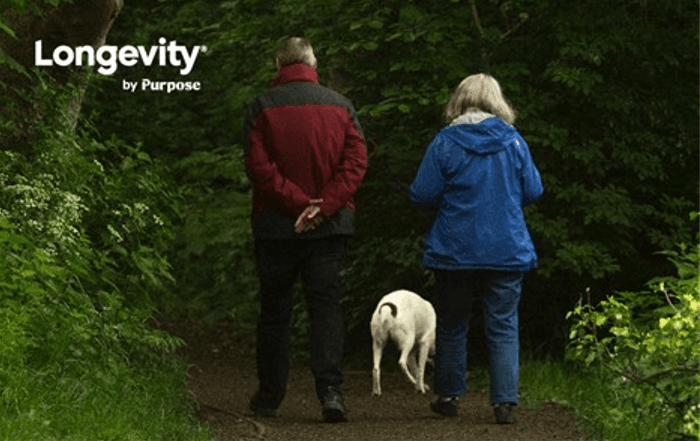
480	133
296	72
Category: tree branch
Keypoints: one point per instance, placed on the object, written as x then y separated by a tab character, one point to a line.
76	23
475	17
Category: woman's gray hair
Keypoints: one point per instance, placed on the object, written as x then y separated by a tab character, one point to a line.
479	92
295	50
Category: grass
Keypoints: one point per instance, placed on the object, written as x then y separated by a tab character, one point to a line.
148	402
592	400
122	403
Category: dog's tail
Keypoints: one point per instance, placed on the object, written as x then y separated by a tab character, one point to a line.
391	306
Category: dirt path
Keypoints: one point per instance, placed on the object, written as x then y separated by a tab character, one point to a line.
222	379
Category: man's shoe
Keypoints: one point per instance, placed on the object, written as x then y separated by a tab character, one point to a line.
445	406
332	408
504	413
262	410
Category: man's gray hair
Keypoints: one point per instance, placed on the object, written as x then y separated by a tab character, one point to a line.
295	50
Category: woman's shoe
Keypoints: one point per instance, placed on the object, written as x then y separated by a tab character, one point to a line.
445	406
504	413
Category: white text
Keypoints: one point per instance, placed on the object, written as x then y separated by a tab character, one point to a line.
111	57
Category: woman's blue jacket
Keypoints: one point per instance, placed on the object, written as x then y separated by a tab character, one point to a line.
479	175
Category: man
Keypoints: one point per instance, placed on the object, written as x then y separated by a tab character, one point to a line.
306	157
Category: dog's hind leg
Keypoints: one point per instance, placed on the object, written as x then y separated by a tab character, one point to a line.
377	349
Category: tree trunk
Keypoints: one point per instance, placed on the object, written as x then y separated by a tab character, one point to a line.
78	23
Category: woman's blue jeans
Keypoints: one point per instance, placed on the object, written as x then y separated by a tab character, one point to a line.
455	293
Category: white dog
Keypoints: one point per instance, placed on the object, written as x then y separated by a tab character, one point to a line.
408	320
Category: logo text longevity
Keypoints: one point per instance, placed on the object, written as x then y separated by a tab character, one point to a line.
111	57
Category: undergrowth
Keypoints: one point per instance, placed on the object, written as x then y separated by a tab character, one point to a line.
84	230
633	366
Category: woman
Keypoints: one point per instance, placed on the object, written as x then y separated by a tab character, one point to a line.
478	173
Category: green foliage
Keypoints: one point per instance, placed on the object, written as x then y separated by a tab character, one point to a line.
13	319
604	99
15	5
84	230
586	395
21	7
648	344
195	133
618	144
214	249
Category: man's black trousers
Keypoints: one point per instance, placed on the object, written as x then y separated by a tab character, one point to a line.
279	264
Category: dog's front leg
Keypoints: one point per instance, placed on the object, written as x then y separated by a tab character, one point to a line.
413	366
404	361
422	354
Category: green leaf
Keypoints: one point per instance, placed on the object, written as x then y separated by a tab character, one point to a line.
370	45
4	27
10	62
410	14
434	37
599	319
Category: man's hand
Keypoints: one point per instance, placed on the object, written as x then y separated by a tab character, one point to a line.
309	219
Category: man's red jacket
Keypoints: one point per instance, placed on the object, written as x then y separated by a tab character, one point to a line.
303	142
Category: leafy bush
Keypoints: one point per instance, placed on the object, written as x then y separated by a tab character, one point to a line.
647	343
618	181
213	253
84	230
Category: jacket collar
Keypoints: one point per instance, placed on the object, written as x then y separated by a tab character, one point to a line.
472	116
296	72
